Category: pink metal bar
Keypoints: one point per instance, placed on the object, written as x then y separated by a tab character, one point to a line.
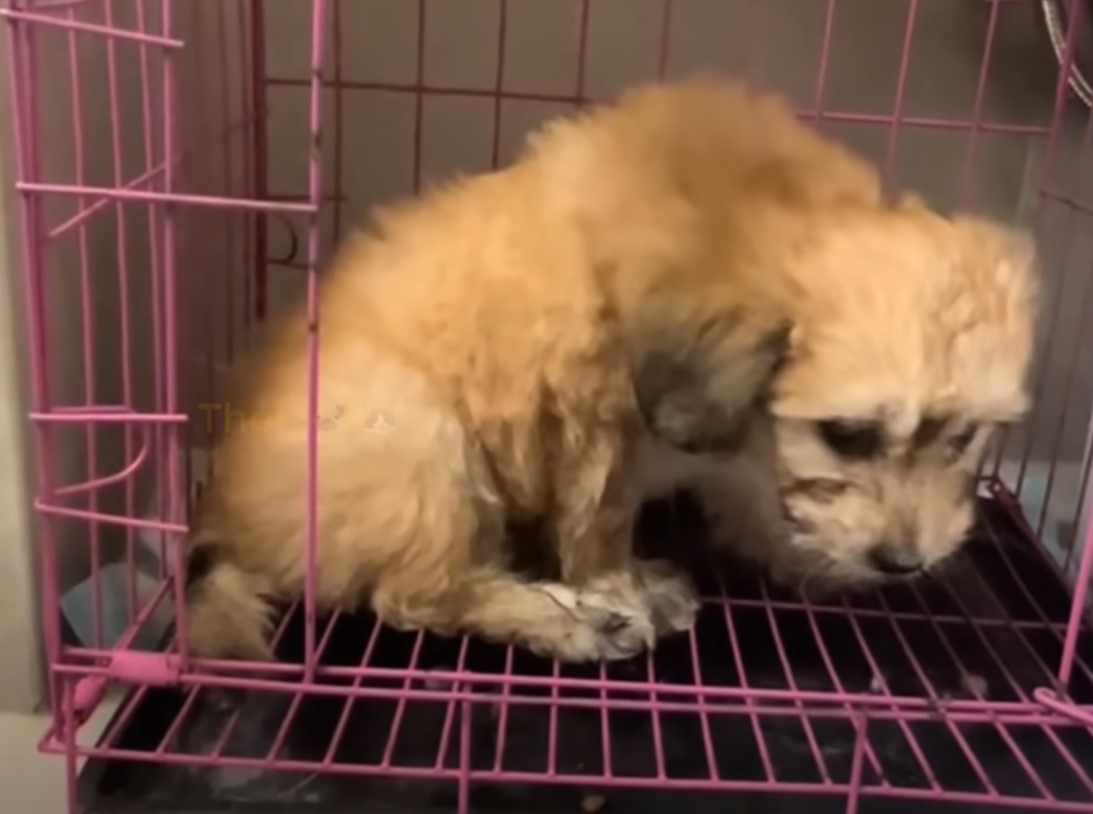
977	108
228	171
123	476
339	118
582	53
250	137
318	40
901	88
90	28
156	306
825	63
449	715
664	51
861	728
260	148
174	198
174	501
87	325
845	116
499	82
121	235
100	415
419	97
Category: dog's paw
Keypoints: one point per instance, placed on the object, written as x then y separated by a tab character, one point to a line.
601	625
672	599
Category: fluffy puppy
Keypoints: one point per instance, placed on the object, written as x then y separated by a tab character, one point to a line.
487	354
494	353
911	337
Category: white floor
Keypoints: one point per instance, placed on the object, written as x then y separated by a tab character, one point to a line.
31	783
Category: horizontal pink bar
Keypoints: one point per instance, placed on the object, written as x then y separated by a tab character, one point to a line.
1082	715
708	692
84	214
567	779
91	28
50	5
103	415
87	212
213	201
1068	200
102	517
922	122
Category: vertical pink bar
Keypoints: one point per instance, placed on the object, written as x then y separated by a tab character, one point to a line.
665	38
121	235
582	50
861	729
654	717
204	288
229	190
1077	605
503	717
499	82
419	93
552	724
68	702
170	336
155	253
250	150
901	89
464	791
449	714
23	84
87	332
977	109
825	62
314	186
339	126
1075	519
261	152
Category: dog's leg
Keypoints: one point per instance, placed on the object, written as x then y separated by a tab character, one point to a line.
548	618
597	503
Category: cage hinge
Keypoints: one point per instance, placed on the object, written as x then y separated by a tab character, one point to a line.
156	669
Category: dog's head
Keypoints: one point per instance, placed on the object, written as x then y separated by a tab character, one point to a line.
910	349
908	345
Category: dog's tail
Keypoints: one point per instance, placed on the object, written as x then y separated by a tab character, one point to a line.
227	613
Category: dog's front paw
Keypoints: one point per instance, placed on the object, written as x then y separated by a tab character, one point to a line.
603	624
672	599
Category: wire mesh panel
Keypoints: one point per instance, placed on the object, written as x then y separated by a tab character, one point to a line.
185	167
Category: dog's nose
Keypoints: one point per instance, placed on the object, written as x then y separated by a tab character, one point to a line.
896	562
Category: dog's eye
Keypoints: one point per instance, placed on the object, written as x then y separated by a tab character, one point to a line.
959	442
852	439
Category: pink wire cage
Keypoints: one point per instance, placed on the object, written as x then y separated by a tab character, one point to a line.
184	164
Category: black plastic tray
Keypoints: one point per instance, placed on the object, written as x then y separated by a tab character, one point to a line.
114	787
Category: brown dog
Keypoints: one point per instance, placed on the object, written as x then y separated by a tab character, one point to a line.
493	352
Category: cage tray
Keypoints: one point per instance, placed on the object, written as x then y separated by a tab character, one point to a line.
995	615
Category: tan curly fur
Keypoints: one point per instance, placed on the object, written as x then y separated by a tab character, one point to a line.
494	354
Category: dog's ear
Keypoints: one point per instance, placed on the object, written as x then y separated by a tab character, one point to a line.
697	380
